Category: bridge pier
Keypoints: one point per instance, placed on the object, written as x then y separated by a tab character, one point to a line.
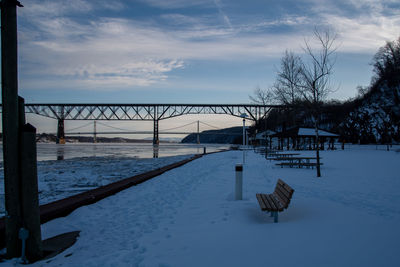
156	140
94	132
198	132
60	132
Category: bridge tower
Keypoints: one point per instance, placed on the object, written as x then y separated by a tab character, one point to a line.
60	132
156	140
94	132
198	132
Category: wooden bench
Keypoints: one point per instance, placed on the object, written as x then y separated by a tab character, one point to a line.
298	164
277	201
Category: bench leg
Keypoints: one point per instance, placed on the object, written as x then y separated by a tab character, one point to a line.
276	217
272	213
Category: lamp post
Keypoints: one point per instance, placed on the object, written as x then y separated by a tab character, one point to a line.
244	116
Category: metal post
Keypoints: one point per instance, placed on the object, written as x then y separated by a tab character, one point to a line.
244	137
275	216
239	182
9	74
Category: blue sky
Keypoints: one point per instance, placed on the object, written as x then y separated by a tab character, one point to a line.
197	51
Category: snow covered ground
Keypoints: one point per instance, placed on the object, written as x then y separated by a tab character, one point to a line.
58	179
87	166
188	216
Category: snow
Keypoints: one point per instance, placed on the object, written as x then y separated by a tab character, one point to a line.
188	216
311	132
87	166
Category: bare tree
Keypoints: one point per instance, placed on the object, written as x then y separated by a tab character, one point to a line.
386	64
286	88
316	77
262	96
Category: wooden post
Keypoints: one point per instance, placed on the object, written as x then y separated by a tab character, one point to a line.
9	74
29	193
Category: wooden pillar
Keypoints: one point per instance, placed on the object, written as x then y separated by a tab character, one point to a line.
29	193
10	119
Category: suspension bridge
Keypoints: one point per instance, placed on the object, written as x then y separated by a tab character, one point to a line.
141	112
117	130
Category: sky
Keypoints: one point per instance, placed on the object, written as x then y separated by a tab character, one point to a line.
197	51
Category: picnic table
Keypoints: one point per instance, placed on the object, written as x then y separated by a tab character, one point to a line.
286	155
282	155
297	161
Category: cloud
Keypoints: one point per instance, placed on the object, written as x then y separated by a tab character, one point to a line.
70	42
175	4
365	34
127	53
222	13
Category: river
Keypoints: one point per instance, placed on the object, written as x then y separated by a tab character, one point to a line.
47	151
65	170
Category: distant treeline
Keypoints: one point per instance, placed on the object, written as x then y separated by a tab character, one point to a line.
51	138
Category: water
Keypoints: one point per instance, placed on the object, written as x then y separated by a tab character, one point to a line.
46	151
65	170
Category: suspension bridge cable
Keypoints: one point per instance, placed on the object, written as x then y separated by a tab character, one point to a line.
210	125
113	127
179	126
76	128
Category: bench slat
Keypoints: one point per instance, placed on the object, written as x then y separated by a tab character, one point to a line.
286	186
282	196
278	204
270	205
283	202
272	201
261	202
282	191
267	202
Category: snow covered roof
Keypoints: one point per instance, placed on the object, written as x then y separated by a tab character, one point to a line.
304	132
262	135
311	132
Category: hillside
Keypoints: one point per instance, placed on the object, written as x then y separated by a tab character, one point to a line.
50	138
371	118
231	135
376	118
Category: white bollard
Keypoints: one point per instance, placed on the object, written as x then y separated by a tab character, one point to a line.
239	182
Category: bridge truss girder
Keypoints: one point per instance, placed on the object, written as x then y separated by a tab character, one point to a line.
143	112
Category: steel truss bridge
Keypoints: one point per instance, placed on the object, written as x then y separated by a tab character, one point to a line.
142	112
